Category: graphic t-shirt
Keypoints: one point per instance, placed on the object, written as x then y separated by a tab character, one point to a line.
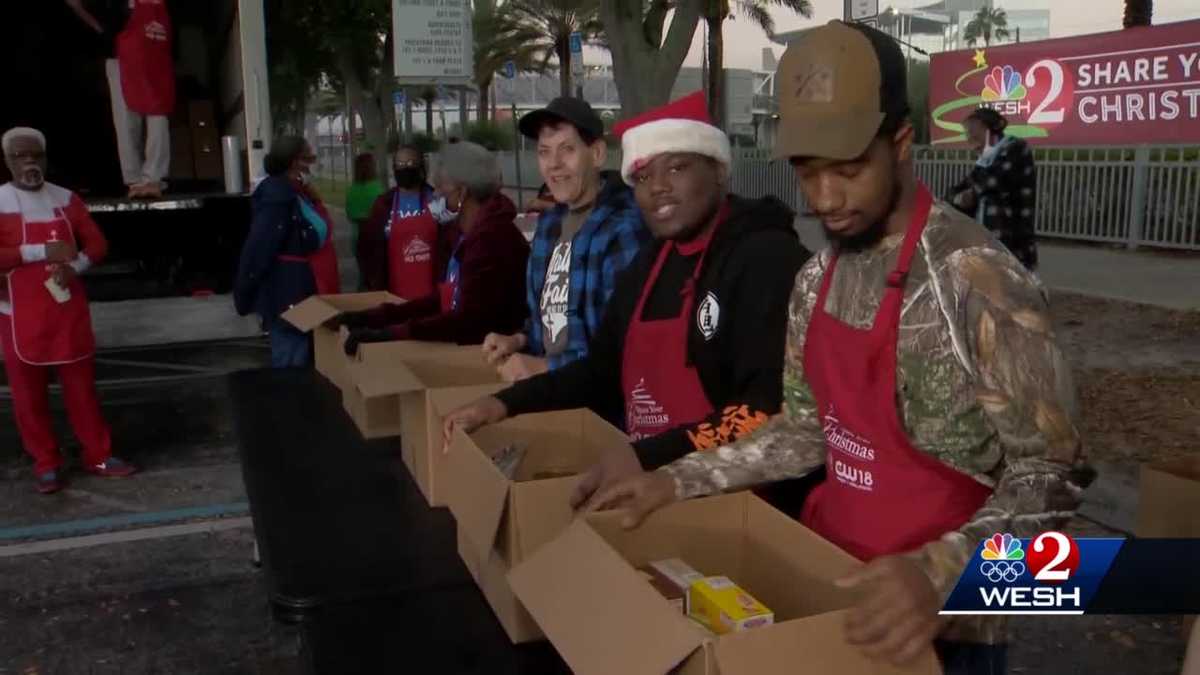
556	293
406	205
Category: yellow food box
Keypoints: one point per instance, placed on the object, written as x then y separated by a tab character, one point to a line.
723	607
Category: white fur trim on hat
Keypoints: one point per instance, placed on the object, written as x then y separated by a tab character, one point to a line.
646	141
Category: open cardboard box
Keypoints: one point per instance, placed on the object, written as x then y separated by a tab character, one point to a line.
602	616
394	375
500	521
1169	505
1169	499
310	316
421	415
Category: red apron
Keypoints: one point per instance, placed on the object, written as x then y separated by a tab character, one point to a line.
882	495
411	247
662	390
324	262
144	58
45	331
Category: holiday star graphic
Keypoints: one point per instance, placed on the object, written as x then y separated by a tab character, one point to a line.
980	59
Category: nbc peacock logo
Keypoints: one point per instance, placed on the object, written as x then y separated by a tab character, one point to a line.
1003	559
1003	84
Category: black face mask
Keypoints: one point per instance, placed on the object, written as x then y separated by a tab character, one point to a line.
409	178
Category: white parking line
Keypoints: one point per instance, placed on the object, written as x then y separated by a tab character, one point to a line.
125	536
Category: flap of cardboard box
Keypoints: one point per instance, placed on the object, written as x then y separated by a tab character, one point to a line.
602	617
816	641
318	309
405	349
443	400
476	492
373	379
1167	491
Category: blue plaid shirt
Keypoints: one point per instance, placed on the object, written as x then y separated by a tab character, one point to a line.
605	244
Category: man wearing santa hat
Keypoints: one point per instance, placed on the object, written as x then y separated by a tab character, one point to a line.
688	355
47	239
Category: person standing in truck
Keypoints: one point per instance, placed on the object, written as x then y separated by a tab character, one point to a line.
141	81
47	239
277	268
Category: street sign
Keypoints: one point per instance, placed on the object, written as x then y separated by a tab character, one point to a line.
509	71
433	41
861	10
576	45
398	97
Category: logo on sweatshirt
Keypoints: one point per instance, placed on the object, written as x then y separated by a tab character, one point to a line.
708	315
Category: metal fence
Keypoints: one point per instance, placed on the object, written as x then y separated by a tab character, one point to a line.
1133	196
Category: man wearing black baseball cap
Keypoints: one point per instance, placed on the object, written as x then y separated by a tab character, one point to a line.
921	371
579	247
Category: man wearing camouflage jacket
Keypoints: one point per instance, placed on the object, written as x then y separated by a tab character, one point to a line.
921	371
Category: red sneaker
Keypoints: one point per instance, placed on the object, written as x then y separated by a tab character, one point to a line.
112	467
49	483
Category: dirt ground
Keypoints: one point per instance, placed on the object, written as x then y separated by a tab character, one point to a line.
1137	370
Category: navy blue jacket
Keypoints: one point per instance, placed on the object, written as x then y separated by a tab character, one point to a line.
265	284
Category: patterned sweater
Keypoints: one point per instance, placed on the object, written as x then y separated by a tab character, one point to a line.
981	385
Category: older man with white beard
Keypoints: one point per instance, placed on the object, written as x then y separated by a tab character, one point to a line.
47	238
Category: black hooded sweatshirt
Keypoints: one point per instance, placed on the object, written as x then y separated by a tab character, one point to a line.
749	271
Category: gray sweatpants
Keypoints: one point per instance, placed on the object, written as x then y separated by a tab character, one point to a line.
143	141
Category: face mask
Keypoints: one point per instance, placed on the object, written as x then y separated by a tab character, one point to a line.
441	212
409	177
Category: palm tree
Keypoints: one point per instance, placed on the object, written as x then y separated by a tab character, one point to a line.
553	21
499	38
988	23
1138	12
715	13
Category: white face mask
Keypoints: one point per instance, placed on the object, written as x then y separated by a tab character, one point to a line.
441	212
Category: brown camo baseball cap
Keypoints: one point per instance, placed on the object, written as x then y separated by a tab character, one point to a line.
836	85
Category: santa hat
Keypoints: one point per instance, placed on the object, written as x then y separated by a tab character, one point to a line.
679	126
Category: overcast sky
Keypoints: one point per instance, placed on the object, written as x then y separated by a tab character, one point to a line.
744	42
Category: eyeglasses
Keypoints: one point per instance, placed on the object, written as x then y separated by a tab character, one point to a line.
411	164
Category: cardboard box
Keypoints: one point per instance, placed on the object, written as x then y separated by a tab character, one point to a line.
308	317
388	378
584	591
490	574
1169	505
1169	501
504	520
422	413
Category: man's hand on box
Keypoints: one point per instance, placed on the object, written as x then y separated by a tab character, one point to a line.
616	464
896	618
639	495
485	411
521	367
497	348
359	336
